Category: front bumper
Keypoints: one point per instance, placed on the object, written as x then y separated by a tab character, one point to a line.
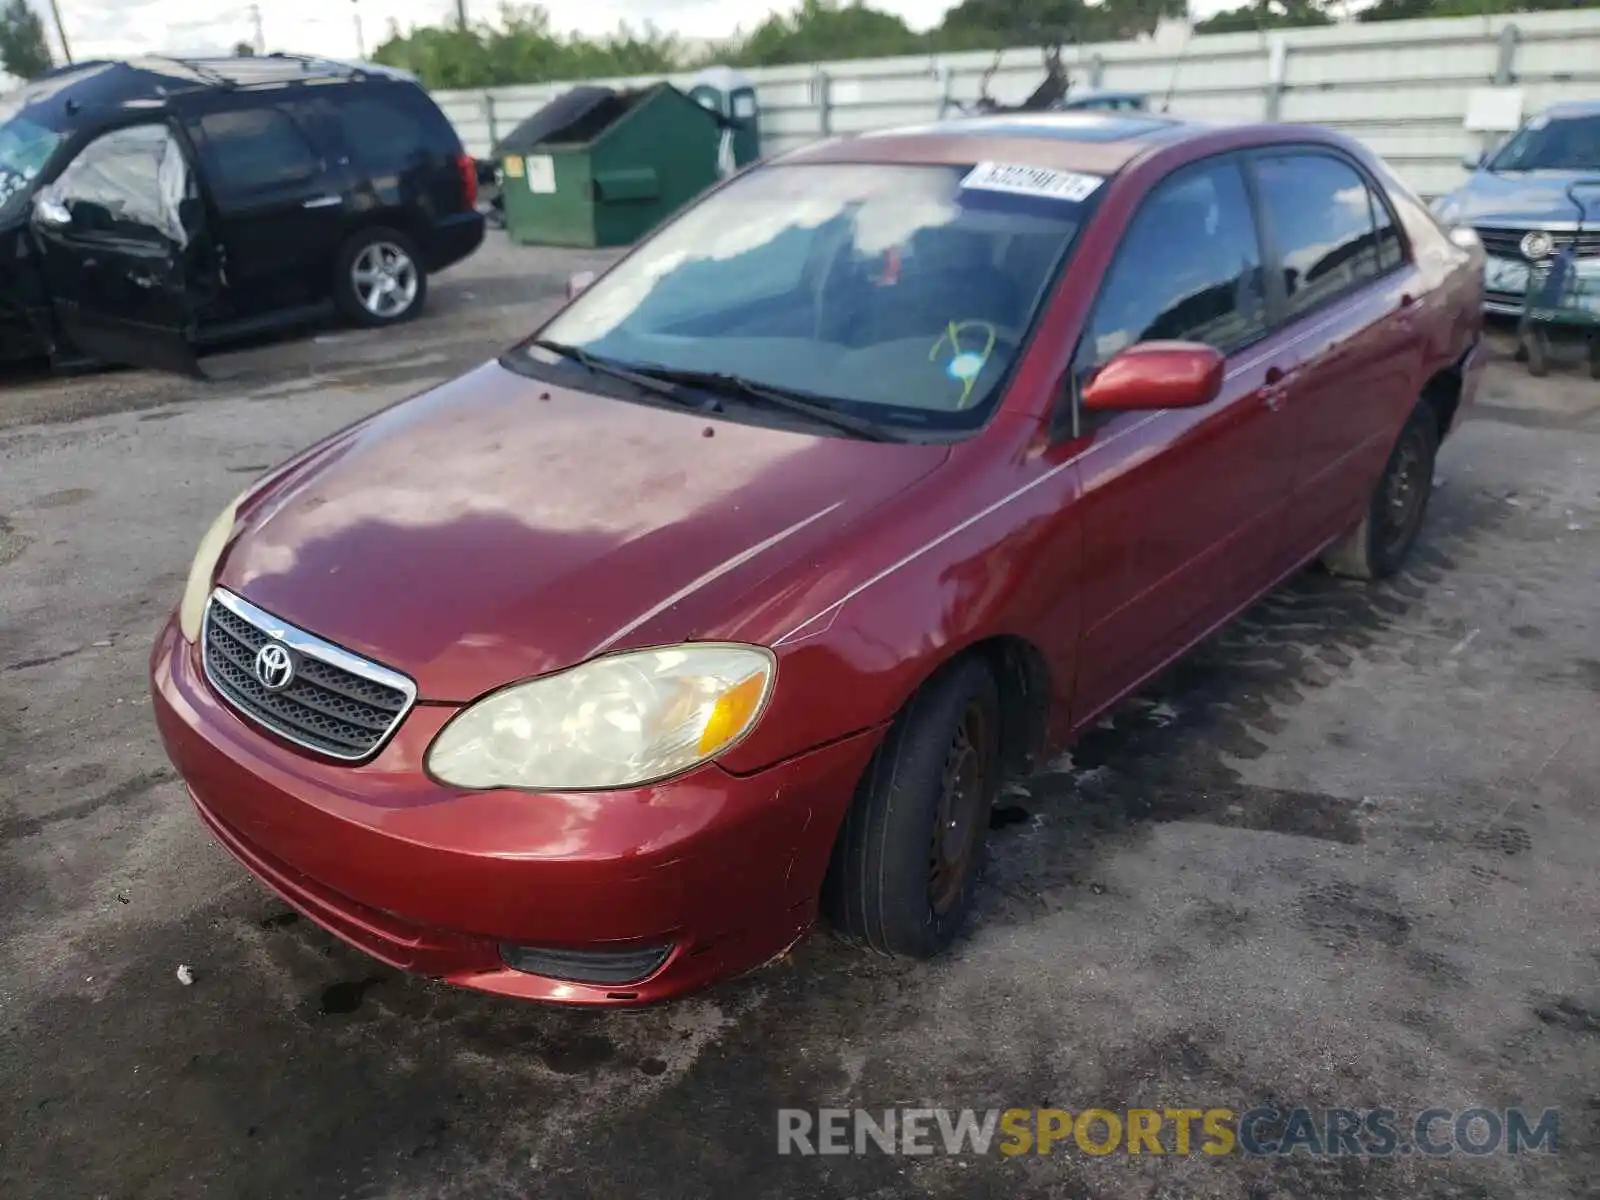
1506	289
725	869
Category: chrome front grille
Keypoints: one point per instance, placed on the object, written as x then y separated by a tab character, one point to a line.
334	702
1507	243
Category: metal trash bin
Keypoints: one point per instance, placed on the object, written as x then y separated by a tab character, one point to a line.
600	167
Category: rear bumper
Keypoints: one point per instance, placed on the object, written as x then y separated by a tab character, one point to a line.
723	869
451	239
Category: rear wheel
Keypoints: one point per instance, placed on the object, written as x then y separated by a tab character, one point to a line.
907	860
1379	545
379	279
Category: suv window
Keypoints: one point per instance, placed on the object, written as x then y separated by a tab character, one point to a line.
1189	268
250	149
379	131
127	183
1321	214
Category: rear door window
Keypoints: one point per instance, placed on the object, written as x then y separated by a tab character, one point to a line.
1189	268
1331	233
1391	250
254	150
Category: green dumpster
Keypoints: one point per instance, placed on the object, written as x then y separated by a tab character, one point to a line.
732	96
598	167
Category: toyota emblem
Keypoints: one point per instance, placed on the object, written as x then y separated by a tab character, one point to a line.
274	666
1537	244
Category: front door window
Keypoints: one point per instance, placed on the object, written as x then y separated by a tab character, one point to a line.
128	184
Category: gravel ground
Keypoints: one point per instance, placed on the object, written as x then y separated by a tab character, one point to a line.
1345	854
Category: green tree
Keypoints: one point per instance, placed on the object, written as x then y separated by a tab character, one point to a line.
993	24
23	49
1266	14
243	50
824	30
1404	10
522	48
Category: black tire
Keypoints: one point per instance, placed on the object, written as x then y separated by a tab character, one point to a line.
1594	355
894	884
1537	345
360	250
1379	545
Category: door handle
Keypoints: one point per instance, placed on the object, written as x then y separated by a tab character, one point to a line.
322	202
1273	392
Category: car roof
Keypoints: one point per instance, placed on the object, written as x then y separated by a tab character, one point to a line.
1574	108
1101	142
1095	142
101	86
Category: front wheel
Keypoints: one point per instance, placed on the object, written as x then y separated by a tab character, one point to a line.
1380	544
907	859
378	278
1536	352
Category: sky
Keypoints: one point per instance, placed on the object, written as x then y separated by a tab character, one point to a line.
121	28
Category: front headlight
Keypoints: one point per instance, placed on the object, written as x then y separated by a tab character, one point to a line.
197	591
618	721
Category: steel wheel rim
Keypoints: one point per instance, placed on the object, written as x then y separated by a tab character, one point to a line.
385	279
960	814
1405	489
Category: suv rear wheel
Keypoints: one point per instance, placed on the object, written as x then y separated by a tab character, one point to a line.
379	279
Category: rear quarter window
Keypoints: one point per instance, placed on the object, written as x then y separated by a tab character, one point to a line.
393	126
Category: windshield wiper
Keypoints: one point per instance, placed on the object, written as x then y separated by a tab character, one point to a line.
604	366
792	400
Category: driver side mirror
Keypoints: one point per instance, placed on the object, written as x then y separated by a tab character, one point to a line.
577	281
1152	375
1472	160
51	212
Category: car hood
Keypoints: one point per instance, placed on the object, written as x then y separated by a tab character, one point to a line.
1519	198
501	527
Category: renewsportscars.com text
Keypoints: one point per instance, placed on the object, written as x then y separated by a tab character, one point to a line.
1364	1132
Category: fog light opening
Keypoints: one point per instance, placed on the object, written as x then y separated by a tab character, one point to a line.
609	967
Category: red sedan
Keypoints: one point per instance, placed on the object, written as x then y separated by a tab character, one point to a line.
735	593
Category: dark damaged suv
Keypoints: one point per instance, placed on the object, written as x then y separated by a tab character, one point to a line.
153	207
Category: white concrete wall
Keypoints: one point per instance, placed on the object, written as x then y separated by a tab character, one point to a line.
1402	87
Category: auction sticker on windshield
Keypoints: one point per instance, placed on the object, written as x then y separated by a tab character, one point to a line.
1021	180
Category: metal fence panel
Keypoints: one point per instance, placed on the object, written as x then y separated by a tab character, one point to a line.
1402	87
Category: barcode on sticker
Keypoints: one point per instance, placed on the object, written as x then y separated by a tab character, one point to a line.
1024	180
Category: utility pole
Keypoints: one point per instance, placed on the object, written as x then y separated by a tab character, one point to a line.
255	17
461	14
61	32
361	42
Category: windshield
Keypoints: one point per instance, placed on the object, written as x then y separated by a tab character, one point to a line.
25	147
1552	144
901	293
